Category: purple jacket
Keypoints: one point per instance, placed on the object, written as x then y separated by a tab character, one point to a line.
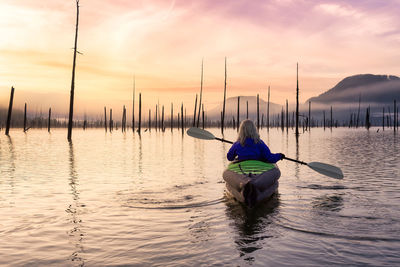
252	151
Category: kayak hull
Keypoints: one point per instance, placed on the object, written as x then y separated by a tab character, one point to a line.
251	187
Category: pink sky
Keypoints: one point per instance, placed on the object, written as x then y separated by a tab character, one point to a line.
163	43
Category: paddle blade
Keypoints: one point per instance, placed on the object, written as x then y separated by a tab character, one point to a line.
326	169
200	133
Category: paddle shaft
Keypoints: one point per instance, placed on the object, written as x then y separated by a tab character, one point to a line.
223	140
230	142
297	161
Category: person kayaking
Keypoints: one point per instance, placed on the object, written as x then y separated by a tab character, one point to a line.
249	146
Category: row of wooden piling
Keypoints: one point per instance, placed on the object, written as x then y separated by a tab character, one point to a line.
281	120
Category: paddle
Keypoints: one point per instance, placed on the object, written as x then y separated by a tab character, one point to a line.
322	168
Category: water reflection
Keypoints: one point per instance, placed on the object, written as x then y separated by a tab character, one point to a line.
252	226
297	166
12	168
76	234
12	155
140	159
333	202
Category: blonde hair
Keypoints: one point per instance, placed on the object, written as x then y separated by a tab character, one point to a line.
247	129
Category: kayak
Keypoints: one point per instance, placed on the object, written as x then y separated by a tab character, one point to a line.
251	181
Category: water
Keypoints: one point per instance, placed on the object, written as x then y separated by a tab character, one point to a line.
160	200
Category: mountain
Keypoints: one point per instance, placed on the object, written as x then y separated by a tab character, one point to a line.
373	90
231	108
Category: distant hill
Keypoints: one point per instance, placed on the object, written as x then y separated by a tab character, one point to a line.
231	108
373	89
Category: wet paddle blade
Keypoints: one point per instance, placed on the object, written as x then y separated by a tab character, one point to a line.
200	133
326	169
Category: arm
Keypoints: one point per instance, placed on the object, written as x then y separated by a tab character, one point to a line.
270	157
232	152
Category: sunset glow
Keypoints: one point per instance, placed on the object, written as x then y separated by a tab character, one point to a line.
162	43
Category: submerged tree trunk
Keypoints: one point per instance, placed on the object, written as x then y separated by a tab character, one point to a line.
258	112
105	118
10	106
201	94
194	114
172	116
358	112
297	102
183	127
48	123
223	107
268	110
71	100
111	121
309	115
247	110
287	115
133	104
238	113
149	120
140	112
25	118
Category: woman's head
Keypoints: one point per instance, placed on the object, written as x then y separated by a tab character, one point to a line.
248	130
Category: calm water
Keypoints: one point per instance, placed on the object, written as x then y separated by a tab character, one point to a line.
160	200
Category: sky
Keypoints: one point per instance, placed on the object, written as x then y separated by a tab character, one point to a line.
161	44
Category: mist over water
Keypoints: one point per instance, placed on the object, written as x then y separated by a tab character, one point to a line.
159	199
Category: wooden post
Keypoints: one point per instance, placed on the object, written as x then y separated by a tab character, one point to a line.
223	107
172	116
247	110
358	113
258	112
84	122
262	120
71	100
287	115
48	124
383	118
25	118
183	126
162	119
156	118
324	120
268	110
202	115
201	94
194	114
149	120
159	115
394	116
133	104
179	121
309	115
123	119
105	119
297	102
140	112
331	118
367	122
238	113
111	121
10	106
